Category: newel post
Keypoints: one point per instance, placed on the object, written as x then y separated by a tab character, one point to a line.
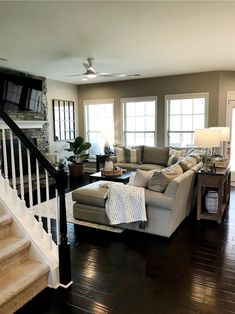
64	246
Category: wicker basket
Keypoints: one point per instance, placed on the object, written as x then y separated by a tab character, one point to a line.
111	173
221	163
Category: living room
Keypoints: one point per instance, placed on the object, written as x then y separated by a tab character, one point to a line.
184	51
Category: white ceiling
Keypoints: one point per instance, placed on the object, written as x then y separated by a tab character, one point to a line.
153	38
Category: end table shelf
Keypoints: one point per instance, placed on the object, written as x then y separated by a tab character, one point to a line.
219	181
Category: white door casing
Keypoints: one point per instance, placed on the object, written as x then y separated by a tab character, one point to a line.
230	122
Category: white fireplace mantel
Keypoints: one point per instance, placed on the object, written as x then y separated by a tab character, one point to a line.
25	124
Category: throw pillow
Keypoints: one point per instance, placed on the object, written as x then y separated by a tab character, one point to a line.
156	155
160	179
120	154
132	155
142	177
174	155
188	162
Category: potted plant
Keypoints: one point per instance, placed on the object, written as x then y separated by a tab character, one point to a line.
80	157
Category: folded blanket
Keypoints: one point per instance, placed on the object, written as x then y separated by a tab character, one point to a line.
124	203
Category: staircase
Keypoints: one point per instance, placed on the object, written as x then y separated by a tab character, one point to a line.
21	277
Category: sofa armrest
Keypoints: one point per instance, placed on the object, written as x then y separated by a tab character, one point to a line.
158	200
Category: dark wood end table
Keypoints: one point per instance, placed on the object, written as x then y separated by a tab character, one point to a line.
219	181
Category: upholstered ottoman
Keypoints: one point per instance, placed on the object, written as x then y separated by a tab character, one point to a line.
90	203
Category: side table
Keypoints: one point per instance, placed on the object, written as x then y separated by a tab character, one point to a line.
219	181
100	159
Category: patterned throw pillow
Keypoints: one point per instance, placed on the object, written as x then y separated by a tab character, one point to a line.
188	162
160	179
174	155
120	154
133	155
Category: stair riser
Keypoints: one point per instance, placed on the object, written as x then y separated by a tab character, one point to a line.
24	296
5	231
14	261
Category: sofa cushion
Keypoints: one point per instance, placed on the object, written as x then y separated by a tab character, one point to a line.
91	194
142	178
133	155
119	151
160	179
150	167
155	155
188	162
174	155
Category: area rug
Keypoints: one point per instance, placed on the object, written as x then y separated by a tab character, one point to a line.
50	206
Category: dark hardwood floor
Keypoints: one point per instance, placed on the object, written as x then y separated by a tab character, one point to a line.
131	272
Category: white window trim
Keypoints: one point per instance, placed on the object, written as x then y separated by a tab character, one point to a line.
136	99
184	96
87	102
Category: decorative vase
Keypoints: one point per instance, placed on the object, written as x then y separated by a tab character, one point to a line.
108	165
211	201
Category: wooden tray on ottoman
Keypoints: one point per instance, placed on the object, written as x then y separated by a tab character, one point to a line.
111	173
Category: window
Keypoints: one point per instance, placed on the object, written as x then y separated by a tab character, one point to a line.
139	121
185	113
99	124
64	120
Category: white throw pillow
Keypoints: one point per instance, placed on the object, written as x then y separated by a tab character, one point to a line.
142	177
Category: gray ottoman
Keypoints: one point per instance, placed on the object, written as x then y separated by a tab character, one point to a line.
90	203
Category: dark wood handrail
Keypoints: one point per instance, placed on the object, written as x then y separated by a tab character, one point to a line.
26	141
60	177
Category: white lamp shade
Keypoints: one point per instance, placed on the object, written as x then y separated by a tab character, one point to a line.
224	133
207	138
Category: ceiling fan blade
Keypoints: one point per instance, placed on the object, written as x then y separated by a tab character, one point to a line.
71	75
115	75
136	74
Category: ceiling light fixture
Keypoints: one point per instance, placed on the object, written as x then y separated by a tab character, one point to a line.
91	75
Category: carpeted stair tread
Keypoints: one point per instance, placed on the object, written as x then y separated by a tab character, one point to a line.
21	278
10	247
5	226
5	219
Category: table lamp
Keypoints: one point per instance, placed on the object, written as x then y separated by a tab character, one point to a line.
207	138
224	137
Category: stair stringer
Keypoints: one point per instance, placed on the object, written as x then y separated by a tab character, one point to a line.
42	249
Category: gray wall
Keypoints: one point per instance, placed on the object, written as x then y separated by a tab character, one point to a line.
160	86
227	83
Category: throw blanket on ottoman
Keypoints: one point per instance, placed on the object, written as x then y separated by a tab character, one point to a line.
125	203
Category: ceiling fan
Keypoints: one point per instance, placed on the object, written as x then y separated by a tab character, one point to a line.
91	72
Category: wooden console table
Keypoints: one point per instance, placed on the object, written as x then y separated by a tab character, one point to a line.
219	181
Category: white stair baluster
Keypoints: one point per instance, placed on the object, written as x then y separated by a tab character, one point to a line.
57	217
5	160
40	225
13	169
49	235
30	180
22	207
21	171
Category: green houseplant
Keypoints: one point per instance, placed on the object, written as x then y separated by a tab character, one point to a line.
79	157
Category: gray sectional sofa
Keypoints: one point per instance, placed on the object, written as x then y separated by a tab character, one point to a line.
147	158
166	207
